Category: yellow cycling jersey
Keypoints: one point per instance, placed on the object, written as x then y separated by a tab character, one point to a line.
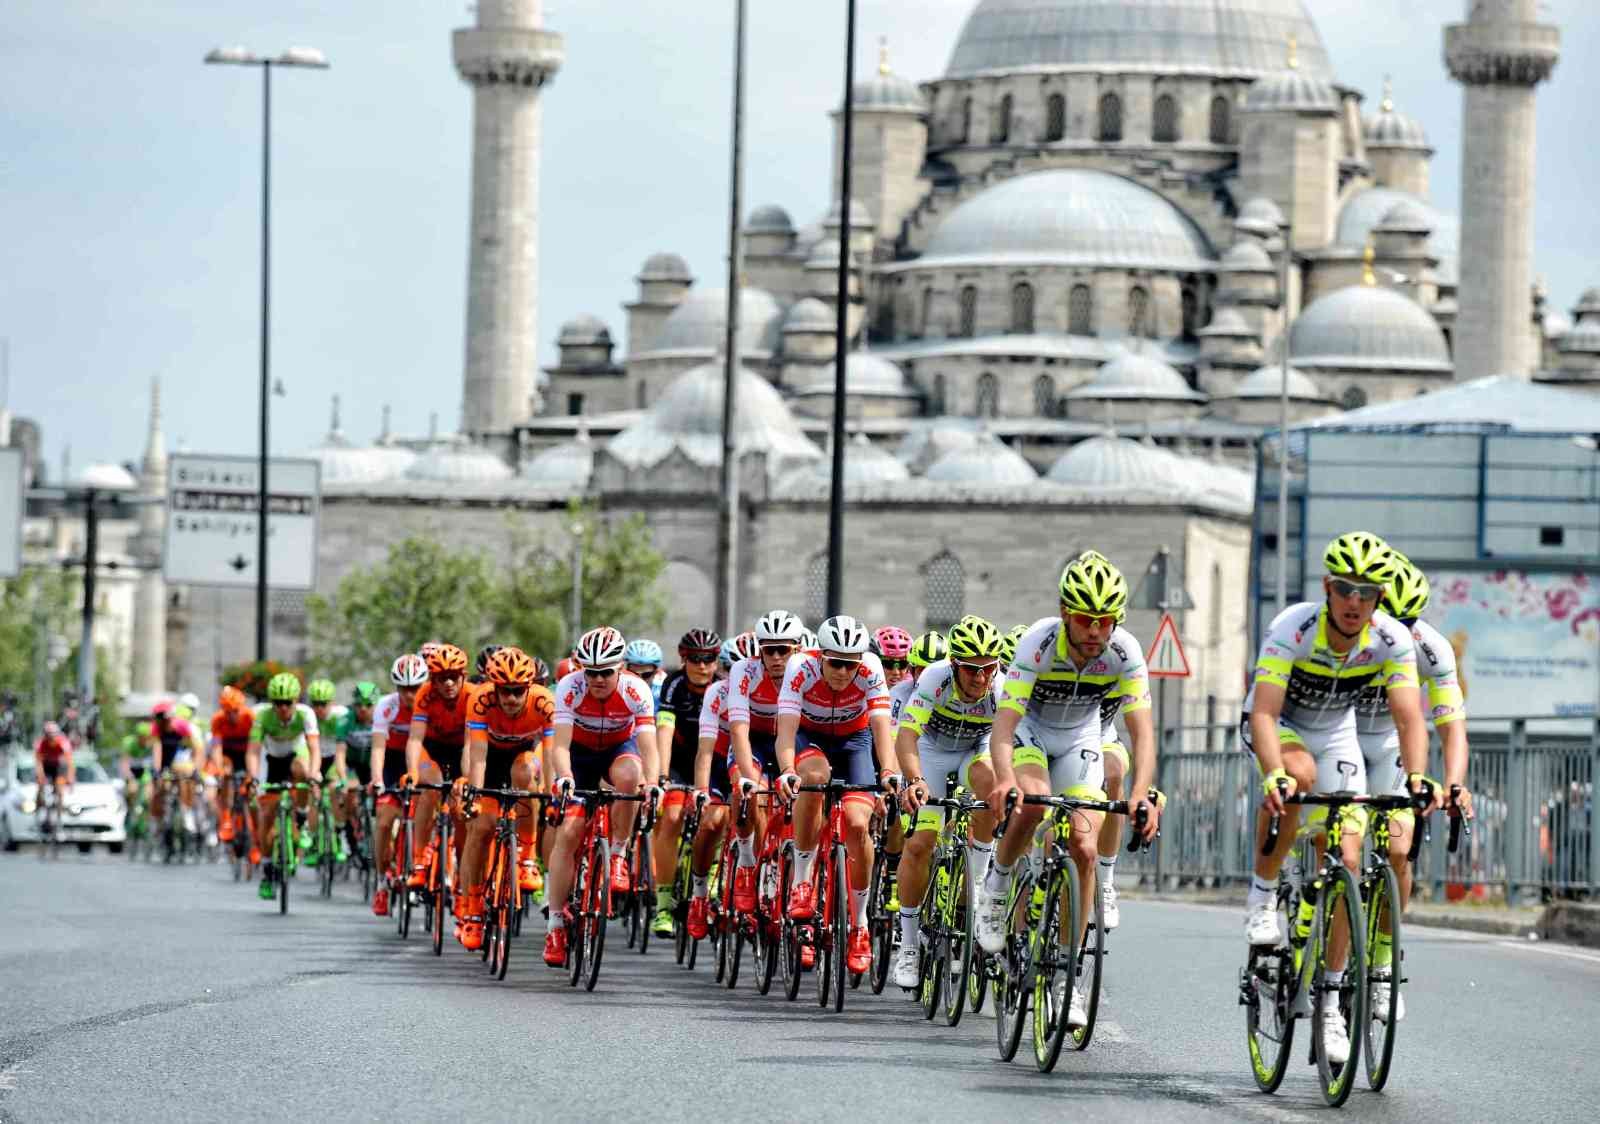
1051	691
1436	664
1321	685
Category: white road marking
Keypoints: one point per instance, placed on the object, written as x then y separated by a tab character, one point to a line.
1550	950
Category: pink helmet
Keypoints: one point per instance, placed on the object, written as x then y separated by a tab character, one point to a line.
163	709
893	643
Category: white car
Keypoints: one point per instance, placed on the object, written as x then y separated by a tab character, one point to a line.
95	809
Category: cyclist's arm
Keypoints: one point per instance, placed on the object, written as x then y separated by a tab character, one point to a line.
651	759
783	747
339	758
704	753
561	753
1002	735
907	754
198	745
1265	707
476	757
154	746
883	741
72	768
1405	704
419	727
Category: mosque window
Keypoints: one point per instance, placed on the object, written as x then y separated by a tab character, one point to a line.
1139	311
886	320
817	587
988	402
1110	117
1055	117
1353	398
1191	313
1044	396
926	320
966	120
944	594
969	311
1080	311
641	395
1221	123
574	405
1164	128
1022	308
1000	129
936	398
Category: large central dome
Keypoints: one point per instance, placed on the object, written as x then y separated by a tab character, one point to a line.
1234	38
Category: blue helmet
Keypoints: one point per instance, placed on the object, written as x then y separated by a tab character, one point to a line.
643	651
727	654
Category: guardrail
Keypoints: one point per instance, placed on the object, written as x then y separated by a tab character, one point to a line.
1535	836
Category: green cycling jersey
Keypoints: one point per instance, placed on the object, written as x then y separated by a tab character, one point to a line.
356	736
283	737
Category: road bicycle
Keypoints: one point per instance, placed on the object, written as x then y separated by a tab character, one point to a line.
589	907
242	814
502	899
946	956
827	931
776	849
401	896
438	886
285	858
685	947
637	907
883	922
358	843
51	818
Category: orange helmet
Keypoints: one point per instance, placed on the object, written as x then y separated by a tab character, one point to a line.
509	666
233	699
447	658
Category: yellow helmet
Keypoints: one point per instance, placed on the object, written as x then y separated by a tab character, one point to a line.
974	638
1405	594
1092	585
930	648
1360	555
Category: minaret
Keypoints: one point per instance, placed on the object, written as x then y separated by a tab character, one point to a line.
149	655
1500	54
507	58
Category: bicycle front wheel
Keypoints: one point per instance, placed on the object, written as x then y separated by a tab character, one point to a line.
1381	899
1267	986
959	943
1055	943
1340	903
840	923
883	923
596	912
1090	960
1013	976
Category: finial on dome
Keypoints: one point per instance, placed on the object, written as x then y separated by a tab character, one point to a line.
1293	61
385	434
1368	277
883	55
1387	104
433	426
333	426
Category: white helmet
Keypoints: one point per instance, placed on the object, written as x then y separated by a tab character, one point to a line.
808	639
599	648
780	625
191	700
410	670
842	634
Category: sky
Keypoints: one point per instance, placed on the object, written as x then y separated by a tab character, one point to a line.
130	182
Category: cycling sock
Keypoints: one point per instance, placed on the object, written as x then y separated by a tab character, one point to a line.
558	920
700	884
803	861
663	897
908	928
858	908
994	883
1261	892
1108	871
979	856
1332	978
747	850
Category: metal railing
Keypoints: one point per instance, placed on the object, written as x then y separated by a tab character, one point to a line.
1535	834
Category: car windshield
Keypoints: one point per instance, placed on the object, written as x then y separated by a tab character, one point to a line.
24	772
91	772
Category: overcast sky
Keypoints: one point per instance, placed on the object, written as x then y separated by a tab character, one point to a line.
130	185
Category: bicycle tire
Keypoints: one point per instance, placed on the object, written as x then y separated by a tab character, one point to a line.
1381	1032
978	977
1267	987
822	957
733	932
882	923
789	932
440	906
503	951
491	883
596	917
930	970
580	891
1012	979
1343	895
765	955
841	923
959	942
644	891
1091	960
1055	963
402	855
285	849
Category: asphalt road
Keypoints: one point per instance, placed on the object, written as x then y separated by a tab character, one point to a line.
131	992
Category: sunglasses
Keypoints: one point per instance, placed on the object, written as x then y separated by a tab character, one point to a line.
599	672
775	650
700	659
279	703
513	690
448	677
642	668
895	665
839	665
1084	620
977	668
1363	590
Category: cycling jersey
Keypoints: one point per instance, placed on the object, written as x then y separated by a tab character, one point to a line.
678	718
752	697
714	715
279	737
1056	696
328	728
598	725
943	721
1320	685
442	724
1436	664
899	695
391	722
510	736
827	712
52	751
231	729
357	738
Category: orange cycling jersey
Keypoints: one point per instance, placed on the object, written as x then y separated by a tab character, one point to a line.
439	722
527	730
232	728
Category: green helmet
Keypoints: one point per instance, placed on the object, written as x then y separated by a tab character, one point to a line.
283	687
1090	584
929	648
974	638
321	690
1360	555
1405	594
1008	645
365	694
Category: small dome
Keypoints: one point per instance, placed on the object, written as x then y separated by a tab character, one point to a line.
927	441
864	463
1368	327
809	315
1267	382
106	477
688	417
458	461
769	219
860	217
1555	325
665	267
1120	463
343	463
1228	324
1139	377
699	323
1405	217
1589	301
1389	128
1260	216
1583	338
866	375
1291	90
824	255
887	92
567	465
1246	257
986	460
1362	213
584	329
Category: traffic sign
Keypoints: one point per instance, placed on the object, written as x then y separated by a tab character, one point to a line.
11	485
1167	659
213	507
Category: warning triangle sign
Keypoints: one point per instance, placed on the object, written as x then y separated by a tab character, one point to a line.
1166	656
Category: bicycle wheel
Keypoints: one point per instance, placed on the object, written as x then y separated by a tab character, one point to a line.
789	933
441	903
1013	976
402	857
1267	985
1381	899
596	913
1090	962
284	848
959	943
502	924
644	898
881	921
765	951
580	893
1055	937
840	923
1340	900
824	954
978	977
930	967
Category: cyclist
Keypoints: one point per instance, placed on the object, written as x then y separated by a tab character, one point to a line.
175	749
287	731
892	646
511	722
541	672
330	716
928	649
944	730
480	665
53	765
833	720
1300	723
436	747
1008	650
230	736
354	736
391	729
605	730
711	778
1048	734
1405	596
678	709
643	658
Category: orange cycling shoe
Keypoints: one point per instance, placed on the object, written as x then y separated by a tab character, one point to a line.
621	882
380	902
470	931
528	876
802	900
255	856
697	918
744	889
858	957
225	828
419	877
555	947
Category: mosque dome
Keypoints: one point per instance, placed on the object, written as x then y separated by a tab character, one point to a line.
769	219
1228	324
1362	213
1291	90
566	466
1110	462
864	463
986	461
1583	338
665	267
1138	377
1245	256
1389	128
105	477
1265	382
1231	38
1368	327
688	417
887	92
824	254
865	375
458	461
926	441
809	315
860	218
1406	217
584	330
1260	215
1070	216
700	322
344	463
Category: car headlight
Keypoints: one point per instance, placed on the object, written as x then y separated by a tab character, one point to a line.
28	806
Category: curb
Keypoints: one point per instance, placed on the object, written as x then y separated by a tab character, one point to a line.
1571	923
1580	924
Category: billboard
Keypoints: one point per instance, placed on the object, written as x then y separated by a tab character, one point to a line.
1528	644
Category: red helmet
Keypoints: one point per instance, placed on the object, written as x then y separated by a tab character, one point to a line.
892	643
233	699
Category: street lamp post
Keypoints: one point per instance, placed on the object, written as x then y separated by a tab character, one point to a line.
1283	425
306	58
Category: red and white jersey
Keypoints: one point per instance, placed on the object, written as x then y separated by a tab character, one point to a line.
823	710
714	714
604	725
752	697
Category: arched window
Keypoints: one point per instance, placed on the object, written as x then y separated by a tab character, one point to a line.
1044	396
1214	610
969	311
1353	398
1164	126
1191	313
641	395
1221	123
926	319
817	587
936	399
966	120
1055	117
944	591
988	401
1138	310
1110	117
1000	127
1022	308
1080	311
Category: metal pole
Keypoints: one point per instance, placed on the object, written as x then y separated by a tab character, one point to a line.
91	557
266	285
841	323
1283	429
577	585
728	506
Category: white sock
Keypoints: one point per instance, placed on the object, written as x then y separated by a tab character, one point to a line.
908	928
558	919
802	865
747	850
979	856
858	908
1108	871
994	883
1261	892
700	884
1332	978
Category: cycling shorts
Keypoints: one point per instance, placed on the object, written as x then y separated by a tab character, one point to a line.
446	757
394	767
1341	767
1116	751
497	765
360	772
279	770
591	766
849	756
937	765
234	756
1074	770
1386	773
761	752
54	768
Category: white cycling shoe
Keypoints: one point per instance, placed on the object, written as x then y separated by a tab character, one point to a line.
1078	1008
989	920
905	966
1261	926
1335	1040
1380	1001
1108	907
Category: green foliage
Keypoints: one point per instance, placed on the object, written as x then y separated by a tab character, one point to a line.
252	677
35	605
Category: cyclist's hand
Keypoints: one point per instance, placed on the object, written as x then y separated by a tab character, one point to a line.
1462	801
913	796
747	787
701	799
564	787
891	781
1152	821
789	785
653	793
1425	787
1275	787
1004	790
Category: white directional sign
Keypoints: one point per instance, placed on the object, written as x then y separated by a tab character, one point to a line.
11	484
212	519
1166	658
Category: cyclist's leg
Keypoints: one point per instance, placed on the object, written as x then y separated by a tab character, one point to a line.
1080	772
854	764
525	775
588	768
664	843
811	766
1386	777
1031	766
708	841
427	809
626	774
1114	756
916	856
1299	764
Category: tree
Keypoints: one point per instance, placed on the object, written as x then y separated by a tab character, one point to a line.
252	677
423	590
36	605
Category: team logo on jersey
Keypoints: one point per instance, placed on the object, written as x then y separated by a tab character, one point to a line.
1363	656
1122	652
1095	668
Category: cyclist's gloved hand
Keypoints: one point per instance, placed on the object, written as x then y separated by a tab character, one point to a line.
564	787
1422	785
789	783
701	799
891	781
914	796
1273	787
654	793
746	787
